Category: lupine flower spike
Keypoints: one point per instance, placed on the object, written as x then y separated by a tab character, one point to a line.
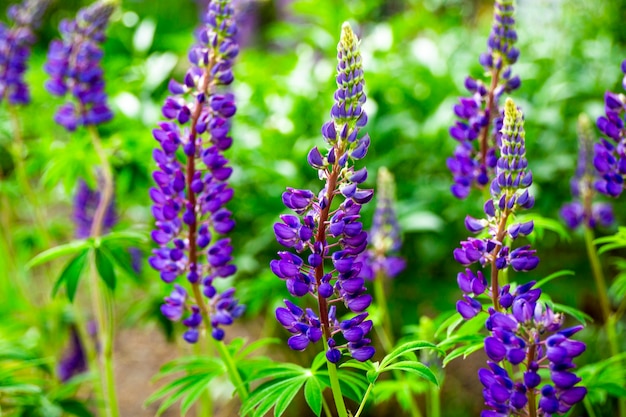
325	242
584	210
384	237
74	68
189	201
15	44
523	331
509	194
480	121
610	153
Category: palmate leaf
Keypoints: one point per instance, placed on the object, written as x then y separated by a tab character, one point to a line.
198	371
269	393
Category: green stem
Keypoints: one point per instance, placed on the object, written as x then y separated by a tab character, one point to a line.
231	368
435	401
385	331
22	178
101	296
601	287
87	343
336	388
362	406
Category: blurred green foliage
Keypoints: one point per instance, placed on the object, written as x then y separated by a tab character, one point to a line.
416	54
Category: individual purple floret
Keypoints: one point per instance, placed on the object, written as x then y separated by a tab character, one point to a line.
74	67
479	115
584	210
610	153
85	203
15	45
509	191
384	237
190	197
323	232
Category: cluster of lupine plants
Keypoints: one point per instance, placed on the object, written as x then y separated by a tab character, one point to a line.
259	249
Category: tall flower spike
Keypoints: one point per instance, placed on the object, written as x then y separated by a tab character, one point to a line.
319	235
509	194
15	44
74	67
384	237
522	331
480	121
189	201
584	210
610	152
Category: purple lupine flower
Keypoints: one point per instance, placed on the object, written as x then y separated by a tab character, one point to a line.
320	234
610	154
74	68
523	331
479	115
15	45
384	237
86	201
74	360
584	210
509	191
529	334
190	197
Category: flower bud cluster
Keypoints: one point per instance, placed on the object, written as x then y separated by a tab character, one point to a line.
15	44
610	152
190	197
321	233
509	191
584	210
529	335
384	237
479	114
74	68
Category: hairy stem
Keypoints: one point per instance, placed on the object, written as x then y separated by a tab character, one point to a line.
101	296
331	184
605	305
484	145
531	394
500	235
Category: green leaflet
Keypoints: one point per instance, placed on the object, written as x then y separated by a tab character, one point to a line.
104	265
313	395
71	275
75	246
